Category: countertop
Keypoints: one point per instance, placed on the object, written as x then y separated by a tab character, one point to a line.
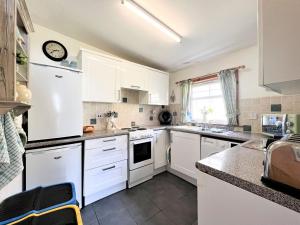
85	136
229	135
242	167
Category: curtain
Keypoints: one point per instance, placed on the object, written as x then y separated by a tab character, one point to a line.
229	88
186	92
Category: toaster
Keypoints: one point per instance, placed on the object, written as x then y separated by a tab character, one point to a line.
282	162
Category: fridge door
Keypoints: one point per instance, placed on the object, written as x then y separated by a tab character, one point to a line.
54	165
56	110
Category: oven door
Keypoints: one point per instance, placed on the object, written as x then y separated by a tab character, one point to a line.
140	153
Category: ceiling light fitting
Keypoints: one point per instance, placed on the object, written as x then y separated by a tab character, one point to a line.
134	7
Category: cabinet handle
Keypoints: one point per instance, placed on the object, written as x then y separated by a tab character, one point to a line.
57	157
109	140
212	154
109	168
58	76
109	149
135	86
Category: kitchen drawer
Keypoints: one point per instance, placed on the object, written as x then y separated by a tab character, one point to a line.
108	142
105	155
103	177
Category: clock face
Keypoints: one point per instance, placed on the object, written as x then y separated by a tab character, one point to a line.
55	50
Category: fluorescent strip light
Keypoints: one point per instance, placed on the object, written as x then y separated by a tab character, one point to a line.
151	19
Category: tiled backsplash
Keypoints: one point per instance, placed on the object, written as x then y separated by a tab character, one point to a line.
252	109
127	112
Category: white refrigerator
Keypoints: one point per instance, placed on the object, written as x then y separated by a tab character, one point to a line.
56	110
54	165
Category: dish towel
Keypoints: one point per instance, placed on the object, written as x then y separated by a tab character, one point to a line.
11	150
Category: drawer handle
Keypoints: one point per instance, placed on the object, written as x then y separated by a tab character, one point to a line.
108	140
135	86
57	157
109	149
109	168
58	76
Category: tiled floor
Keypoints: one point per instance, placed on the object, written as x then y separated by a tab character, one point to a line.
164	200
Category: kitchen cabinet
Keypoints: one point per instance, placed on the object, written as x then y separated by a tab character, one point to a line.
158	89
133	76
161	144
14	16
279	49
100	82
211	146
54	165
222	203
105	167
14	187
185	152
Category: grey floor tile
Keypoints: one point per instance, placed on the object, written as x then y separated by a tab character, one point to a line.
164	200
183	212
141	211
196	222
159	219
88	216
119	218
108	206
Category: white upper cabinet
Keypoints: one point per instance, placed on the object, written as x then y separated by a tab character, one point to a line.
158	88
100	81
133	76
279	48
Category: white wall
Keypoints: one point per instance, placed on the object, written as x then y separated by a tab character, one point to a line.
248	77
43	34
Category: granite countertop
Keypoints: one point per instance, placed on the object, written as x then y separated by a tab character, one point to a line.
229	135
242	167
85	136
235	136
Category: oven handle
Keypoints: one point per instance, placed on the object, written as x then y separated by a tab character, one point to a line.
141	141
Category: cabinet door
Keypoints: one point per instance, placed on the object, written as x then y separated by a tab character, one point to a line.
279	36
100	75
7	49
133	76
161	144
235	206
158	88
185	152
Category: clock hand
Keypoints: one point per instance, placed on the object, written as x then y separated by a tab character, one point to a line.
55	50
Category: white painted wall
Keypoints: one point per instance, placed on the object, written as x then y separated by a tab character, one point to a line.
248	77
43	34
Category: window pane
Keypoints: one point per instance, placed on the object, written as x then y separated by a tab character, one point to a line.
208	103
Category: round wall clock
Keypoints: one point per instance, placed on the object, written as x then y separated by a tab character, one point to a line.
55	50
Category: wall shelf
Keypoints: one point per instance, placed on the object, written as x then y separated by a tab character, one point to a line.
17	107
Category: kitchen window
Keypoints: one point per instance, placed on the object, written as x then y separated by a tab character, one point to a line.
207	103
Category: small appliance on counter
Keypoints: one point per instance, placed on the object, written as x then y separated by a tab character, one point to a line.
274	125
282	165
165	118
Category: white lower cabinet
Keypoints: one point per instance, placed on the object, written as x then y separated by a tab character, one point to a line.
222	203
161	144
105	167
185	152
211	146
14	187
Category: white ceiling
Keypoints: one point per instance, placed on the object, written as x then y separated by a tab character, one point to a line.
208	27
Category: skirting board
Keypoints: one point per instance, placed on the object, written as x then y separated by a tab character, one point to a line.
160	170
183	176
104	193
